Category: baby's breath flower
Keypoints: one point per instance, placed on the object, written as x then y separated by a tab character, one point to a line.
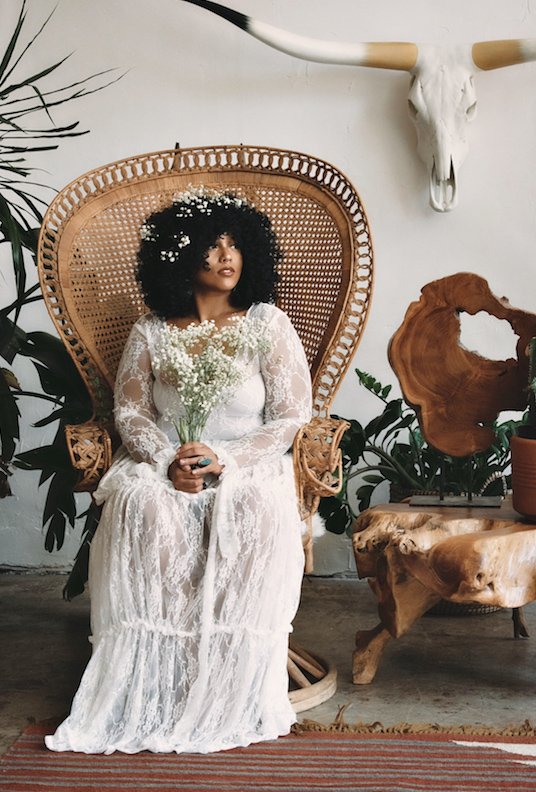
203	199
204	364
147	232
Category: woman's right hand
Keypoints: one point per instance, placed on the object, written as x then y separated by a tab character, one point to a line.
186	474
183	479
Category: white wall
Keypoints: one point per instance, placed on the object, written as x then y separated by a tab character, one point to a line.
195	79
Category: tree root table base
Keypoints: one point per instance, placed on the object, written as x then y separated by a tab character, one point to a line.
415	557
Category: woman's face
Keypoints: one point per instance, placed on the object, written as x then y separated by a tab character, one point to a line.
222	267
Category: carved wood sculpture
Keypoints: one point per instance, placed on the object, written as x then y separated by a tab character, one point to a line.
458	393
416	557
413	558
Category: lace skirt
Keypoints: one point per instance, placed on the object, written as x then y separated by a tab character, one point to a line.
192	599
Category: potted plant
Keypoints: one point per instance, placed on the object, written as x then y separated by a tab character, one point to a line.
392	449
523	448
26	97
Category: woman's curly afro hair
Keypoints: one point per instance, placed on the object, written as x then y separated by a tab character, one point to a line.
175	241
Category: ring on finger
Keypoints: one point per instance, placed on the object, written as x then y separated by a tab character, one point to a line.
204	461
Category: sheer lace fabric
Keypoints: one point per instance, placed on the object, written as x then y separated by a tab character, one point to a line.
192	596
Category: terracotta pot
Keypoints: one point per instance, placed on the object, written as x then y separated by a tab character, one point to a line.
524	475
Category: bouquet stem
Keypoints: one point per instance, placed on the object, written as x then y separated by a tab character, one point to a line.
189	430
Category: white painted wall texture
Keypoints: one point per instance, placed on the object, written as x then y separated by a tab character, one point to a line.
196	79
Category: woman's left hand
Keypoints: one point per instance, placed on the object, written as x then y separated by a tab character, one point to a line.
193	456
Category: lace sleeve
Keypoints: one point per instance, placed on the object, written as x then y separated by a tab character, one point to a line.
134	410
288	398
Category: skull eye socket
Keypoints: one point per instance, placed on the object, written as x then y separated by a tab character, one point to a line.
471	111
412	109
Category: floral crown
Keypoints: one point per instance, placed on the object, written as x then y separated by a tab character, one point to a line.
196	198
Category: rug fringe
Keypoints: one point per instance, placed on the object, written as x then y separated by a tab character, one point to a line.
525	729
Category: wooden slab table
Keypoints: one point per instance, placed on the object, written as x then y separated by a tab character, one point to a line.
414	557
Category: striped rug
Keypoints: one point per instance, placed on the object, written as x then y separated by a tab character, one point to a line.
303	762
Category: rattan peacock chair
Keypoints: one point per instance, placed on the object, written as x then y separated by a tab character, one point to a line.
87	262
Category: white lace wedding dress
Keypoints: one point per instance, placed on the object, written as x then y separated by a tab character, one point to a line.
192	596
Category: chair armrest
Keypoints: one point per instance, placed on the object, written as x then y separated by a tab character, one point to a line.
317	469
90	449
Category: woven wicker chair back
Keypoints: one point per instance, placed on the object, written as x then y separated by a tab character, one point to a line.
90	237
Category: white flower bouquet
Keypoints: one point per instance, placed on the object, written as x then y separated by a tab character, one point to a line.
205	364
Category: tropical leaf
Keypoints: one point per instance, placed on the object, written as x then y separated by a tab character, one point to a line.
28	81
336	515
11	230
11	378
45	457
79	574
5	489
9	424
60	497
4	63
12	339
57	371
391	414
373	479
364	495
353	443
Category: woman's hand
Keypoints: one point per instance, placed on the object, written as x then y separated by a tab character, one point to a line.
192	463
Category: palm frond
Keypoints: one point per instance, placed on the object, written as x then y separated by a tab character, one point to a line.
37	76
5	76
68	87
4	64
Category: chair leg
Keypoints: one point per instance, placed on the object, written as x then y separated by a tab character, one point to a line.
314	681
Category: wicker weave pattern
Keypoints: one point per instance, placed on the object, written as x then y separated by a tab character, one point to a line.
90	450
89	239
317	469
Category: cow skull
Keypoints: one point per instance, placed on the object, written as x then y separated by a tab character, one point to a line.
442	102
442	98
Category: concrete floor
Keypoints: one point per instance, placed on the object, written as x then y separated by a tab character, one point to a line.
449	670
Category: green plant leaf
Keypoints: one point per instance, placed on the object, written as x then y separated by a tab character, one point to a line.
364	495
46	473
328	505
4	63
60	496
337	514
28	81
11	379
391	414
353	443
404	423
79	574
45	457
11	230
12	339
9	418
73	412
57	371
55	534
4	73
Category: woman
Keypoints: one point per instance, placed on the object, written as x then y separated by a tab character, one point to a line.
196	567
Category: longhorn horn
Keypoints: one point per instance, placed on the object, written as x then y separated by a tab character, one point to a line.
399	55
503	52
